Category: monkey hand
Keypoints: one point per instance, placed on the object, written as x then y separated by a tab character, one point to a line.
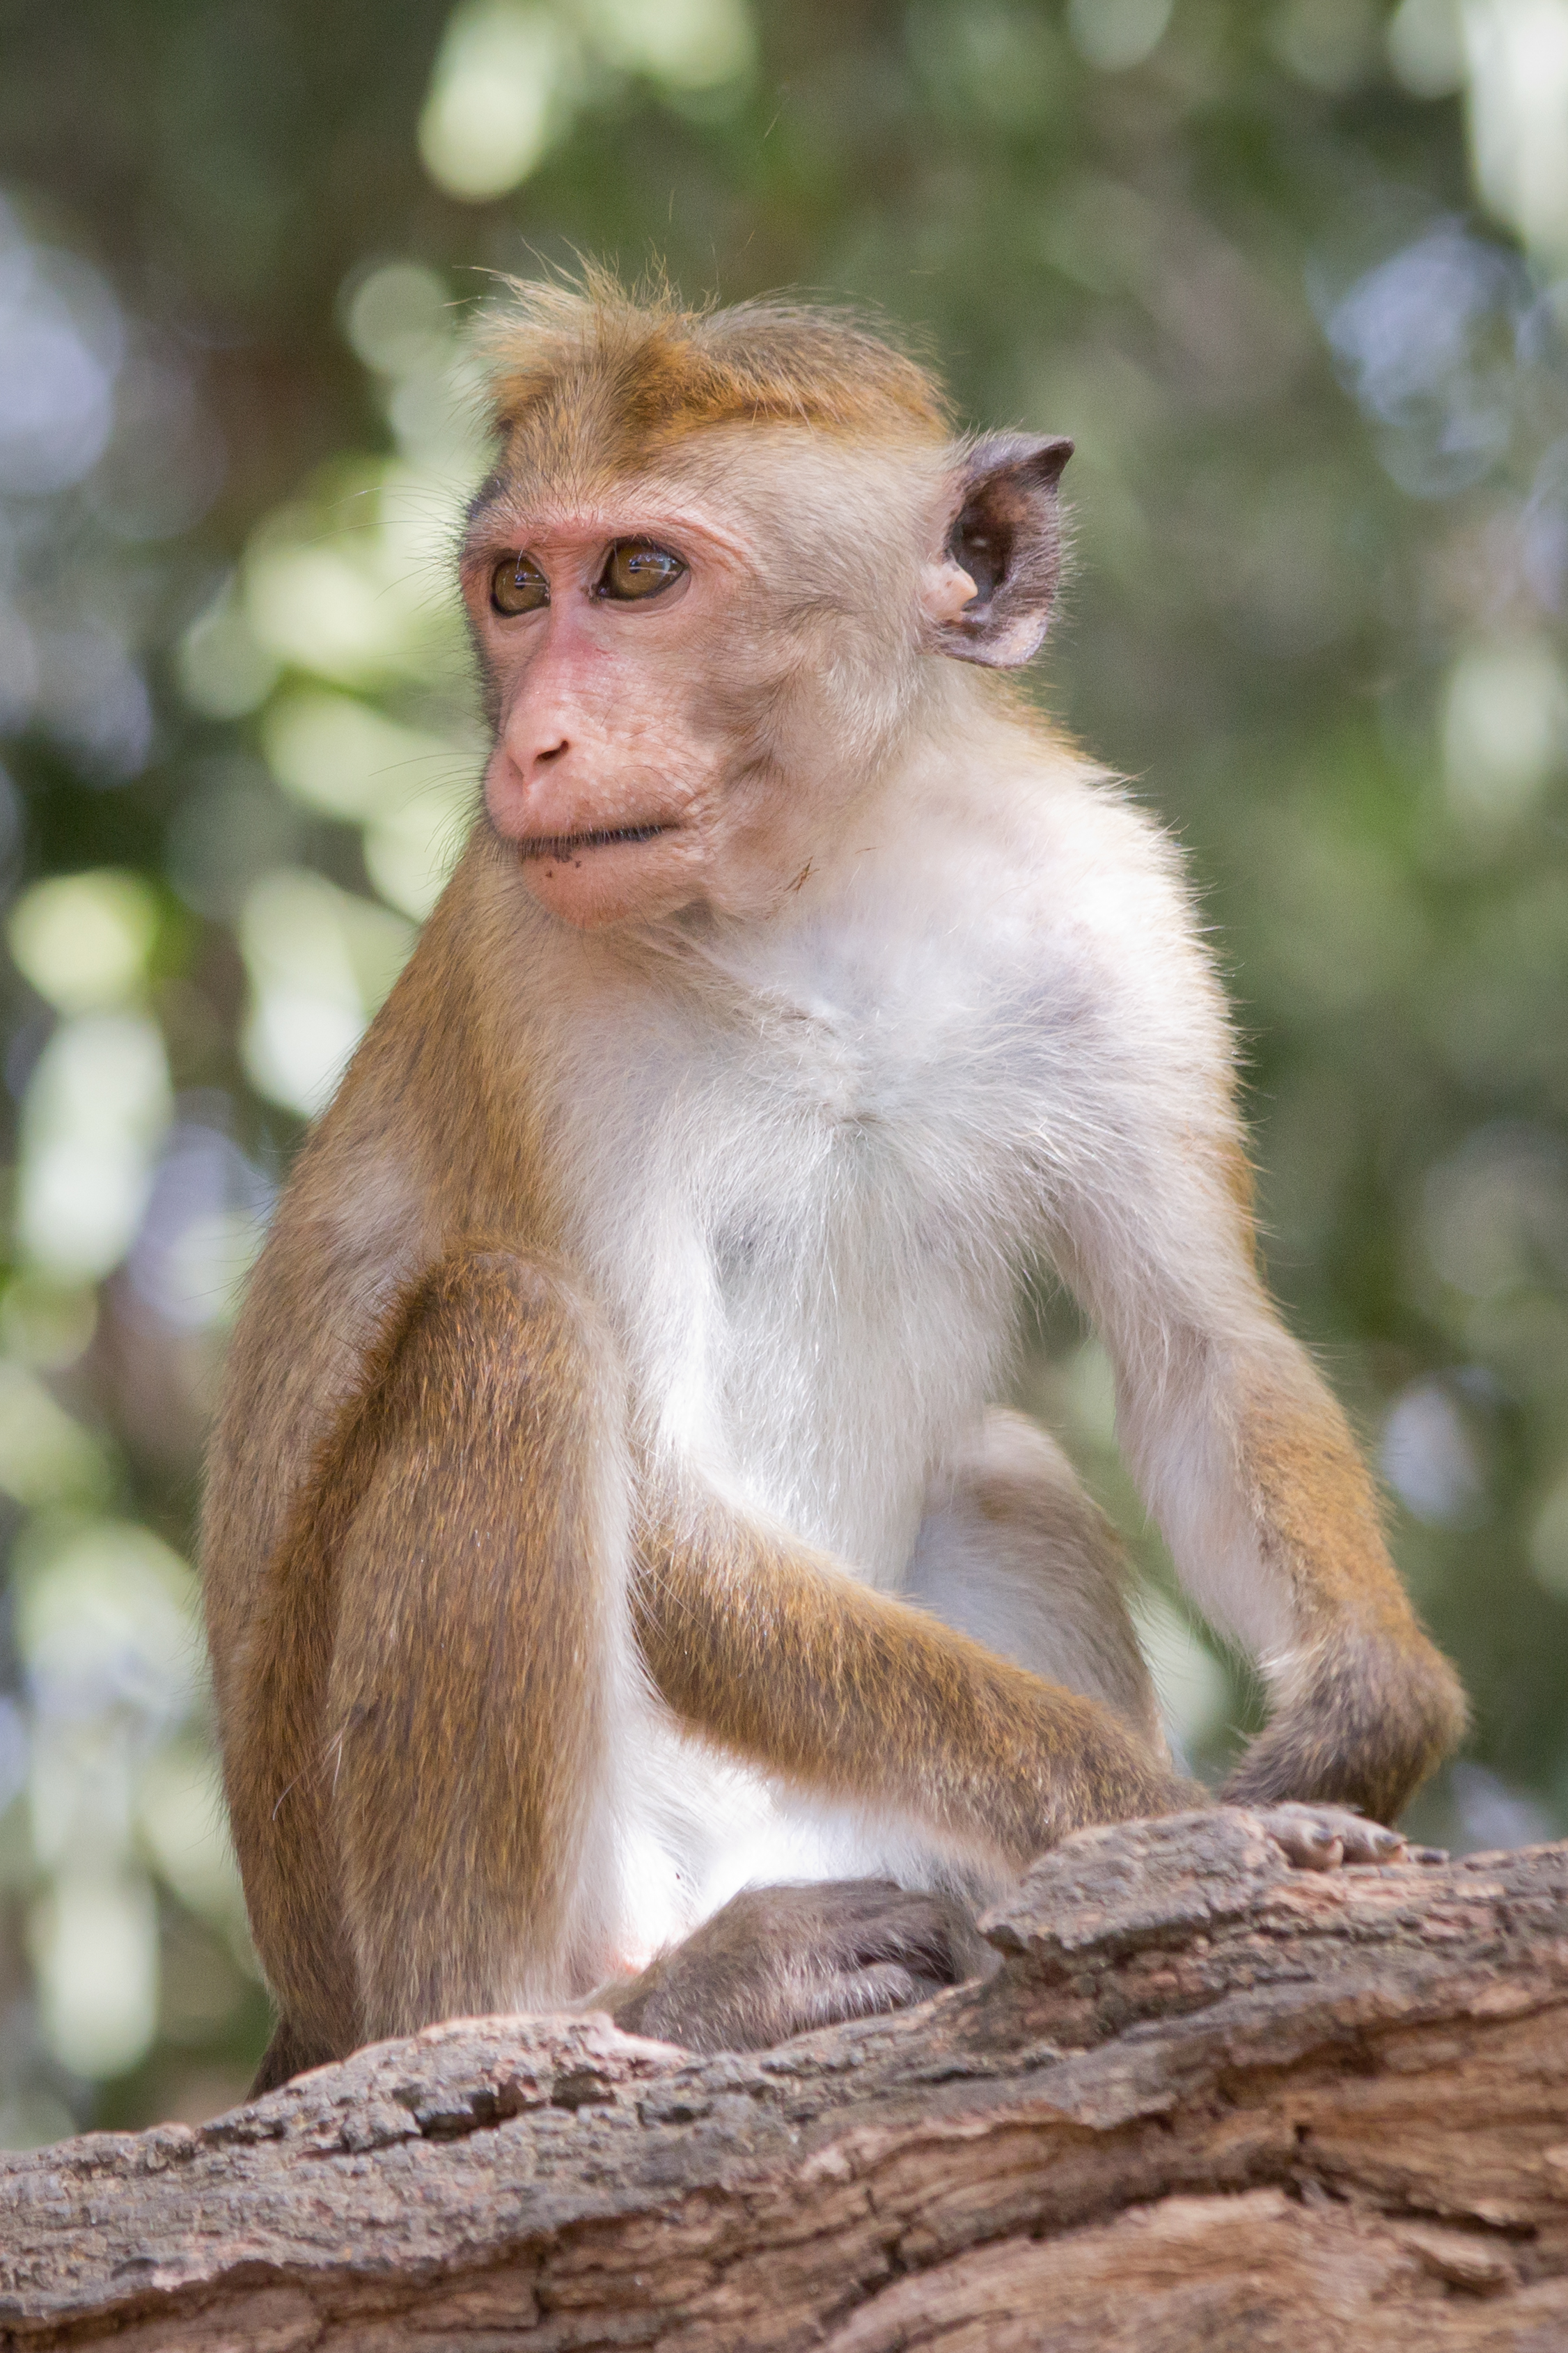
1368	1719
1321	1838
778	1961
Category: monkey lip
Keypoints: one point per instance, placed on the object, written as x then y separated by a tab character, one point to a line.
567	845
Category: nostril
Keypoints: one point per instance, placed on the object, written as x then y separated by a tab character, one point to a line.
551	752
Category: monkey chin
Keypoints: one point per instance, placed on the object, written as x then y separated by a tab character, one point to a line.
592	881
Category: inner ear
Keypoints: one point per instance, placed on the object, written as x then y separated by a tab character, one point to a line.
1007	534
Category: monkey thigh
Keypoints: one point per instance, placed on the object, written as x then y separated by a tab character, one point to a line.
480	1649
1015	1553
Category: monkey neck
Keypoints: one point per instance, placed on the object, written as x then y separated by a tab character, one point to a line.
894	849
941	775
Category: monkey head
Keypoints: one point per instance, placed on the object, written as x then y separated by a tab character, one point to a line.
705	605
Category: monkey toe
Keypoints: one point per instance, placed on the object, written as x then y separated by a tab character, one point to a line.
873	1991
932	1939
1321	1838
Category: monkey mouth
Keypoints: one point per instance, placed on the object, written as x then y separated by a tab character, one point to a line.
569	845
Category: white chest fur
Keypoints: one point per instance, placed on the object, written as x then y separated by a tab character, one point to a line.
798	1193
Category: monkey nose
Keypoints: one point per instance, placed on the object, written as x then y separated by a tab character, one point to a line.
525	781
536	734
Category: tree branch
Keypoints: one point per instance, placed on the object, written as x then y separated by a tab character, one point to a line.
1209	2102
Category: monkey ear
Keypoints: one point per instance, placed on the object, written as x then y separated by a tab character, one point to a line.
1006	536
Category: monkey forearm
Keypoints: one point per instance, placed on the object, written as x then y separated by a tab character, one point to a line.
1273	1519
1365	1707
786	1659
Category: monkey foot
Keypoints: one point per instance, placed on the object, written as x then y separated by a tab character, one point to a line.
1321	1838
777	1961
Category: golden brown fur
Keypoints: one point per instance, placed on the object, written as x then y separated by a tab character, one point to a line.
587	384
1364	1721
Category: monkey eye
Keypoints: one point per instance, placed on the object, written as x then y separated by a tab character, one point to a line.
517	585
636	568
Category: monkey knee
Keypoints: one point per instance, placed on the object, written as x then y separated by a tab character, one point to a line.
492	1520
1012	1491
509	1293
1015	1471
510	1341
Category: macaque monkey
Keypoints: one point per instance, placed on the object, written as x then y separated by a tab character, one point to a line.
611	1513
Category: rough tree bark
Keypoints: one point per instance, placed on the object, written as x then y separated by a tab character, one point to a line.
1209	2102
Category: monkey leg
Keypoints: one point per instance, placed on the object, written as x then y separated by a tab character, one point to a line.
482	1653
1015	1553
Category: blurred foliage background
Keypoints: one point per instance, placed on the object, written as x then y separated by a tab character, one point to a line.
1293	275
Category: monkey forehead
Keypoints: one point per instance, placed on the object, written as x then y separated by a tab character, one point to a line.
731	457
796	490
739	485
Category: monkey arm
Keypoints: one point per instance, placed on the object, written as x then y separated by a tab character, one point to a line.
784	1657
1246	1460
1241	1453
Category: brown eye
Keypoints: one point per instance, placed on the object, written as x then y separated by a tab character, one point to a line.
517	585
636	568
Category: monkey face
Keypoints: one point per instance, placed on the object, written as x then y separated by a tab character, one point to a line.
691	682
596	630
695	678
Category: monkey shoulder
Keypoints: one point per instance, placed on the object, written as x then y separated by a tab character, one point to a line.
1096	891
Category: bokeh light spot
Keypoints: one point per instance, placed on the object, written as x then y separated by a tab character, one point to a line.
498	93
84	939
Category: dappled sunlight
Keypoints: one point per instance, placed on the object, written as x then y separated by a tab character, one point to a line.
84	939
500	93
95	1110
1516	51
320	961
107	1631
511	76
